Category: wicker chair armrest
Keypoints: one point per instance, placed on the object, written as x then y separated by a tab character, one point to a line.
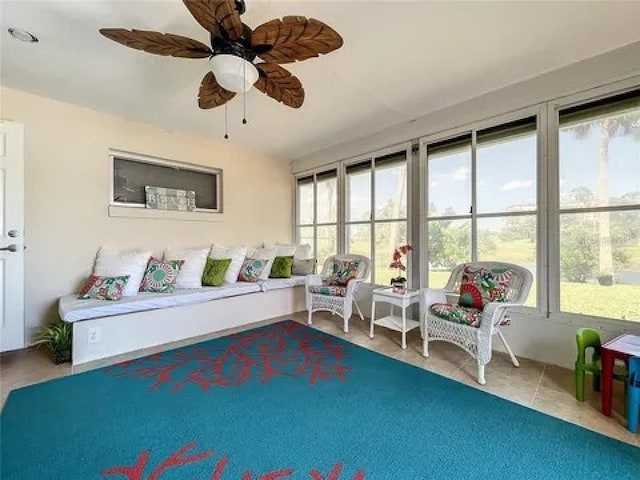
429	296
494	311
312	280
352	285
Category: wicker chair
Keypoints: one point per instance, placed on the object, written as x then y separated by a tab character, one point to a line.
476	340
337	305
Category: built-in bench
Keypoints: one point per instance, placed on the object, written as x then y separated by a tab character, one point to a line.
103	328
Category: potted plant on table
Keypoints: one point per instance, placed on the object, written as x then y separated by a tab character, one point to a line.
57	337
399	283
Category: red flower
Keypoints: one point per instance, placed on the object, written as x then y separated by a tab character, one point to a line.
397	257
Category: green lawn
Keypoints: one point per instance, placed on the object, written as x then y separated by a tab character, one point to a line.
617	301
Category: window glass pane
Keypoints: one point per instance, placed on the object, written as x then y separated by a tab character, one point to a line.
305	235
391	187
449	171
327	191
599	151
600	264
305	203
327	243
448	245
359	240
131	176
358	194
512	240
388	236
506	171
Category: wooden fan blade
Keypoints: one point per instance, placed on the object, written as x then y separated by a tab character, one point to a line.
210	13
158	43
212	94
295	39
280	84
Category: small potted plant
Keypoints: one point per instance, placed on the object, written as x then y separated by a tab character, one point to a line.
57	337
399	283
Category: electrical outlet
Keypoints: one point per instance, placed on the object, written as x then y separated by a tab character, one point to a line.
94	335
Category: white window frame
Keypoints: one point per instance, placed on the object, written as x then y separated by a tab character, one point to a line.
407	147
537	111
553	183
548	212
151	160
314	173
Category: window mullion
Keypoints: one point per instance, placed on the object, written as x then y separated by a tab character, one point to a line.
542	203
474	206
553	216
340	212
372	217
315	215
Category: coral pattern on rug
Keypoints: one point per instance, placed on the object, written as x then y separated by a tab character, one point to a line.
181	458
284	350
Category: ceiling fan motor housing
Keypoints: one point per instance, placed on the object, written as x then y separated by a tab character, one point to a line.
240	47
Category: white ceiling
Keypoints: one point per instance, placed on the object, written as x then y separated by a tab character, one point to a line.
400	60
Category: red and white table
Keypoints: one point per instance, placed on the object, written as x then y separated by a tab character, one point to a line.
621	347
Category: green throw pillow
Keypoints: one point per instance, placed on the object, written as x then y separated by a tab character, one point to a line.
214	271
281	267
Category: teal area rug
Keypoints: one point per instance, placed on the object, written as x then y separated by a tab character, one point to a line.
288	402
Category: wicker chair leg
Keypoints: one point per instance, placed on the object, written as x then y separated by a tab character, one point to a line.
309	322
508	348
359	311
481	379
425	344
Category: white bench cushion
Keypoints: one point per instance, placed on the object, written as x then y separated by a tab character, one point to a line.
279	283
72	309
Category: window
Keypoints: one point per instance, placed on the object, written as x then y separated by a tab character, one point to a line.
317	213
132	173
376	210
482	199
599	200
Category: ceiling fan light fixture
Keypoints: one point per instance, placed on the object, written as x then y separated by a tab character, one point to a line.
234	73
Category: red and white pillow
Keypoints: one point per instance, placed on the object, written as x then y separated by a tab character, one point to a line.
111	262
481	285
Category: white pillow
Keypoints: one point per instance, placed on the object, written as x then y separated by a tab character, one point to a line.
268	254
112	262
301	251
237	256
190	275
282	250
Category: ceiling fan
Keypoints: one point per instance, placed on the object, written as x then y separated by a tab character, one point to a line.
240	57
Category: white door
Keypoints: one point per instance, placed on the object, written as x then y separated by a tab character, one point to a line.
11	235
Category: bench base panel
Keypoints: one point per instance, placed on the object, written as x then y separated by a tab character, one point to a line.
101	338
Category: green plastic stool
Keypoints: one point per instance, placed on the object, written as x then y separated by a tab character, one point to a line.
590	338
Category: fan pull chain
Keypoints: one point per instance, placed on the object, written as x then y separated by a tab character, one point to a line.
244	95
226	135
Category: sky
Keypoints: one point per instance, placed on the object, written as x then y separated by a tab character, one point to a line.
506	176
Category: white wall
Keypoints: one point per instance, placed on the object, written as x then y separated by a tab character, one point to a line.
67	194
531	335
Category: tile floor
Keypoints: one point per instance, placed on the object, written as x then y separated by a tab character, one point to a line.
543	387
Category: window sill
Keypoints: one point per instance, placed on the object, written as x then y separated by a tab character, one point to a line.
135	212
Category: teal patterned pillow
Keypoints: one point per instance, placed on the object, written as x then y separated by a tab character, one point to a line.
343	271
104	288
251	269
161	275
